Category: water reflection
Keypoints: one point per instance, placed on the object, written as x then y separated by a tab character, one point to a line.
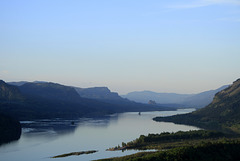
45	138
62	126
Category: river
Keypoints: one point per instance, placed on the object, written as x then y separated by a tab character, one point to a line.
43	139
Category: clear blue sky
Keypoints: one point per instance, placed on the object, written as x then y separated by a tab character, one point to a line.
186	46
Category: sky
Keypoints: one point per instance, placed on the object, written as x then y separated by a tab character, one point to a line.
186	46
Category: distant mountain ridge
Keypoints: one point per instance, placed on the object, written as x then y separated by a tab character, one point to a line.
98	93
187	100
171	100
17	83
102	94
161	98
48	100
202	99
9	92
50	90
43	100
222	113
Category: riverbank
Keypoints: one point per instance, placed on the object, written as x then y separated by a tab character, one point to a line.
181	146
86	134
220	151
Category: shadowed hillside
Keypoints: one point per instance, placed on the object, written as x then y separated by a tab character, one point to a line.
41	100
50	91
9	92
102	94
49	100
222	114
10	129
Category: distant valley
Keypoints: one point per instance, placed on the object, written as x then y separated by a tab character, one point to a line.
48	100
173	99
223	113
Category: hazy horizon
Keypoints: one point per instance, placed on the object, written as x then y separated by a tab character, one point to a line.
161	46
144	90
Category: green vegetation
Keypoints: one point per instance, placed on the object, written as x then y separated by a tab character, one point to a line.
222	114
168	140
224	150
75	153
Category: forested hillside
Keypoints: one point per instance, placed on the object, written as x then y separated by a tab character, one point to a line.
222	114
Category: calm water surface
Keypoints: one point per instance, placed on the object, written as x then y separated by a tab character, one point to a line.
45	138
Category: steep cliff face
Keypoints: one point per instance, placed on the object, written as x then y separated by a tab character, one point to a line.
105	95
100	93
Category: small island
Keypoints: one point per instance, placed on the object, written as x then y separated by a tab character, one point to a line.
75	153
